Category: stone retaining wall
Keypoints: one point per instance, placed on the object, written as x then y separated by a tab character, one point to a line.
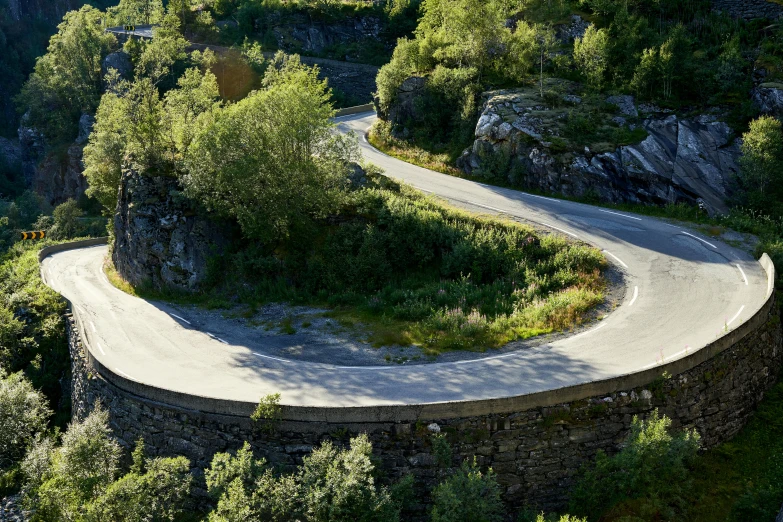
535	450
749	9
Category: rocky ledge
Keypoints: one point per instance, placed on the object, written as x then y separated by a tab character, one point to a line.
160	238
665	158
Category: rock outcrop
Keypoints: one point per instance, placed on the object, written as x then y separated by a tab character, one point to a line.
406	103
689	160
768	97
56	175
308	37
749	9
160	238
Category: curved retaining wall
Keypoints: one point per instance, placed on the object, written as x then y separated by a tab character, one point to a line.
535	443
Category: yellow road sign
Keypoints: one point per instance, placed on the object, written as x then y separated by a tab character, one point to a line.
36	234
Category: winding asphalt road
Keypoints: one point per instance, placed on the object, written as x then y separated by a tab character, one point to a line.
683	291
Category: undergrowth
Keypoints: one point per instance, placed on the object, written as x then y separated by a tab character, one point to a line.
415	271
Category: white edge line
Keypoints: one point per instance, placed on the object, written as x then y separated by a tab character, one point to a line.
618	214
587	332
180	318
736	315
100	348
125	375
539	197
616	258
488	207
273	358
635	295
92	325
221	340
743	275
698	239
558	229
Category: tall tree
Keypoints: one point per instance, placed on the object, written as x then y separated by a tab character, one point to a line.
67	79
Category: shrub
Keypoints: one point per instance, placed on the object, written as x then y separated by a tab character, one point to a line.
332	485
651	469
468	494
25	414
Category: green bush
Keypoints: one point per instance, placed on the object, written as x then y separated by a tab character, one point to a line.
332	485
25	415
648	477
468	494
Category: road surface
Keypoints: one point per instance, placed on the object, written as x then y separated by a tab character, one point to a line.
683	291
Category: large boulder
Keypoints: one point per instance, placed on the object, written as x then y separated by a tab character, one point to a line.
768	97
406	103
690	160
120	62
161	238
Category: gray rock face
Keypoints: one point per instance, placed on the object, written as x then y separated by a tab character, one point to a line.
567	33
309	37
118	61
749	9
10	152
769	99
688	160
56	177
160	239
405	105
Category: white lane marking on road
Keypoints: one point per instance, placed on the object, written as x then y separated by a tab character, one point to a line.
180	318
635	295
743	275
618	214
541	197
487	207
735	316
588	331
486	358
664	359
698	239
100	348
273	358
364	367
616	258
92	325
125	375
560	229
215	337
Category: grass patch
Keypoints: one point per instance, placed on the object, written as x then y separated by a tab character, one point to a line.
414	271
441	161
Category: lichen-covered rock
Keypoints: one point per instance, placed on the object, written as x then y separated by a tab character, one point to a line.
681	160
567	33
55	176
768	97
120	62
160	238
405	106
302	35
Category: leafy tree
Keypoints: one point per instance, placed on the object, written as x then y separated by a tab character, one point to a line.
591	55
651	469
197	94
271	160
135	12
79	470
331	486
761	165
67	79
25	410
154	490
66	220
104	153
468	494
